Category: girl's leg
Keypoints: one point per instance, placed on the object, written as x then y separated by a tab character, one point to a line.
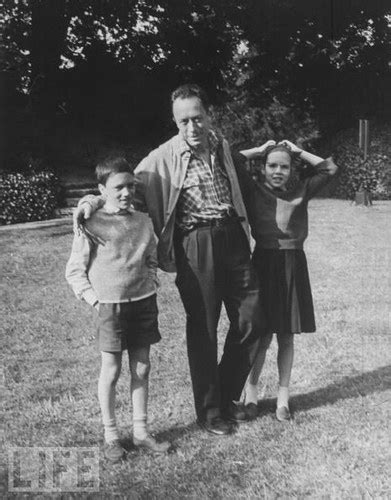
109	374
285	362
251	389
139	368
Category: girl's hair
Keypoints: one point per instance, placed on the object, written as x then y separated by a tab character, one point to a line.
279	147
110	166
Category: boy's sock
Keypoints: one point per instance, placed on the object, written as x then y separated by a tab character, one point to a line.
140	426
283	397
111	431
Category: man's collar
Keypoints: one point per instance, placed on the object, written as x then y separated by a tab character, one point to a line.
214	141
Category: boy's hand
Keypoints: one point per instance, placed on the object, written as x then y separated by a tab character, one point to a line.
80	214
291	146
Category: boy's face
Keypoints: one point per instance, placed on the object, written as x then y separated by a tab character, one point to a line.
277	169
119	190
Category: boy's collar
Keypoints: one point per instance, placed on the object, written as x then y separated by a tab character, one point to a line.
110	209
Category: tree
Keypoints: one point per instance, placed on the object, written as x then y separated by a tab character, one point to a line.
309	55
111	65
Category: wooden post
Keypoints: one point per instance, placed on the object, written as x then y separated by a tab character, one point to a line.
363	196
363	136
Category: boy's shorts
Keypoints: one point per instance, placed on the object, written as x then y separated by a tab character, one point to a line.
128	325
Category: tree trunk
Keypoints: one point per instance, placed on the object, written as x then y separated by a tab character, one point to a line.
48	37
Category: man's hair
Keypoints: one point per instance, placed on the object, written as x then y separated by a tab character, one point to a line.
191	90
110	166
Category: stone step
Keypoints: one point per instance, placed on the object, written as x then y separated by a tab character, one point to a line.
80	185
73	193
64	212
79	192
71	202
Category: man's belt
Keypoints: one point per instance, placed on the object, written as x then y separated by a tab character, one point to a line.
223	221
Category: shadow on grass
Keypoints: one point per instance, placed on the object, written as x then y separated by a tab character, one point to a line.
172	435
348	387
175	433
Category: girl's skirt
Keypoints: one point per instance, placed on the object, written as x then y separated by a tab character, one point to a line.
285	290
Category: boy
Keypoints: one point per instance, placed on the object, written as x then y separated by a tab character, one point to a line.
113	268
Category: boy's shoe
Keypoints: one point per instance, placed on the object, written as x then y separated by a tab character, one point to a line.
252	411
113	451
234	413
150	443
283	414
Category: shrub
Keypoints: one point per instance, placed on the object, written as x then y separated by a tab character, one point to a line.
28	197
372	174
245	126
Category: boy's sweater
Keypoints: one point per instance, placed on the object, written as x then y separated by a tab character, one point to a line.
116	262
279	219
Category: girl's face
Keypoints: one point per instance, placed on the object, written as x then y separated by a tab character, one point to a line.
277	169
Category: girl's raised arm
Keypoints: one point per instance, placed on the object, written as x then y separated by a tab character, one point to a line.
322	173
310	158
258	151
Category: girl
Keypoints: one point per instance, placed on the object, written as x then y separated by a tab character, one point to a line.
279	222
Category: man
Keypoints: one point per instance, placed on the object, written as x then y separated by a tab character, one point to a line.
189	187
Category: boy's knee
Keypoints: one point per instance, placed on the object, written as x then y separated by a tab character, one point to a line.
111	367
112	374
142	370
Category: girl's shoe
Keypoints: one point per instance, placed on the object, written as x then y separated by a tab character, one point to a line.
150	443
283	414
113	451
252	411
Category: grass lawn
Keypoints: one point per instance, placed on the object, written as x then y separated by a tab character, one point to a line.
337	446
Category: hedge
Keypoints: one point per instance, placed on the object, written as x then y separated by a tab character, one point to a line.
26	197
372	173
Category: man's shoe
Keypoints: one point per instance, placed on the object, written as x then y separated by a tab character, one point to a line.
283	414
150	443
113	451
216	426
252	411
234	413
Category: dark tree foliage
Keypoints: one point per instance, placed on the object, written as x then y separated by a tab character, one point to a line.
106	68
329	56
78	74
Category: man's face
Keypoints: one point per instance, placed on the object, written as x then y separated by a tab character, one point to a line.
118	190
192	121
277	169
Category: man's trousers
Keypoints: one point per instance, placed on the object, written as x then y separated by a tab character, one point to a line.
214	267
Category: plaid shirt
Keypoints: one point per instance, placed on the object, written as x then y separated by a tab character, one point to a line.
206	192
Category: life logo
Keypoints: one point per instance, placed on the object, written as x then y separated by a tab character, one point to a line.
55	469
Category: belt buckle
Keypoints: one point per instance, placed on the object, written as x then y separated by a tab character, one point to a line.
223	221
